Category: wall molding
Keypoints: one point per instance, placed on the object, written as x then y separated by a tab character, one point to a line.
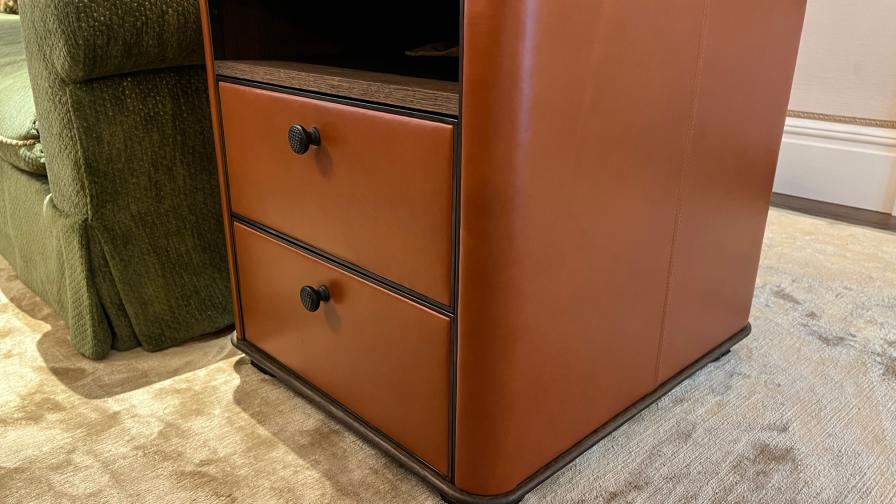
841	163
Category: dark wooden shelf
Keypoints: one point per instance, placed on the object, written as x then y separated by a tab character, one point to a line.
390	89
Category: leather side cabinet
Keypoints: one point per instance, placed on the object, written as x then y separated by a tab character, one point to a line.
485	234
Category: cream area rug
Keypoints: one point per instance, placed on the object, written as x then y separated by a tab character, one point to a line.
803	411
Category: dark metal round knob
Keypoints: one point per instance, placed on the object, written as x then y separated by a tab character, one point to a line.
301	139
312	298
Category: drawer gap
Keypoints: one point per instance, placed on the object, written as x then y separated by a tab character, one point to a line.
319	254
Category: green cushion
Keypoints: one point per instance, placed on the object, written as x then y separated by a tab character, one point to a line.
89	39
19	140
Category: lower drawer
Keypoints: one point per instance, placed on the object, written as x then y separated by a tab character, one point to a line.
380	355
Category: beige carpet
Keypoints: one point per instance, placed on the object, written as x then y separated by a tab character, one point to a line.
802	411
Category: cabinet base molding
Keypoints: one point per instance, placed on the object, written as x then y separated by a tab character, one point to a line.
445	488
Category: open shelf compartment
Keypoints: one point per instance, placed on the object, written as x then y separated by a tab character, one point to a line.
395	53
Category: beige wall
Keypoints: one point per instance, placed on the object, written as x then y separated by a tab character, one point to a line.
847	63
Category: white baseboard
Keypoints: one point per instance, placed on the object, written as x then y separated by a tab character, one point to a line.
839	163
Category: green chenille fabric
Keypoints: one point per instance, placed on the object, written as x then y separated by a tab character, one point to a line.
49	252
87	39
19	139
126	237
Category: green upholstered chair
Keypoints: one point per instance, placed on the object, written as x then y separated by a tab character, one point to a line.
108	192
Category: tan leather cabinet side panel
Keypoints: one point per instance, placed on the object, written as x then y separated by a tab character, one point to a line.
580	119
219	154
380	355
574	120
750	51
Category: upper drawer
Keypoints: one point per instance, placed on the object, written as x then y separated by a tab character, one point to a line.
377	192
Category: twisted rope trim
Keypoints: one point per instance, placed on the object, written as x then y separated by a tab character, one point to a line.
855	121
17	143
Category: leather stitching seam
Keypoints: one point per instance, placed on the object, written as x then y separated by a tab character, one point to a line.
682	183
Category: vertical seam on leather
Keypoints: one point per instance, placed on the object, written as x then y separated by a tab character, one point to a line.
686	162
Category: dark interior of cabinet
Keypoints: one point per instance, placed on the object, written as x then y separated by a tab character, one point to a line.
369	36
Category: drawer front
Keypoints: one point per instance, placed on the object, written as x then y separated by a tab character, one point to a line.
377	192
383	357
